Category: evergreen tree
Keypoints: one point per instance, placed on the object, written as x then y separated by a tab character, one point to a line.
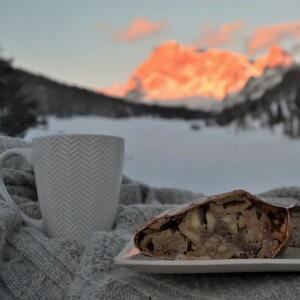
17	112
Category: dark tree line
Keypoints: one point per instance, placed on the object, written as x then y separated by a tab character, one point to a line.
17	112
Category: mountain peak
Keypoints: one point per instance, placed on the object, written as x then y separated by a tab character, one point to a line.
174	71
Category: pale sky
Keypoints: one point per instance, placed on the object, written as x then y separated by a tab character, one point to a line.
100	43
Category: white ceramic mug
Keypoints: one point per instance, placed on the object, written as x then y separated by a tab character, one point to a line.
78	179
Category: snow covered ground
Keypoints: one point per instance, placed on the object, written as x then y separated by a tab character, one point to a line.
210	160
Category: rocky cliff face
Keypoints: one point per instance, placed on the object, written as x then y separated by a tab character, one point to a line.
267	101
174	71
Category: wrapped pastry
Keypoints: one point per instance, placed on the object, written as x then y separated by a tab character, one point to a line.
230	225
295	226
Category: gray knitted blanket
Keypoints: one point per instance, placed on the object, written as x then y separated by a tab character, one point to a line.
33	266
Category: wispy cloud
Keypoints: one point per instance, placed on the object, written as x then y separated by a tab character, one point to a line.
138	29
265	36
224	35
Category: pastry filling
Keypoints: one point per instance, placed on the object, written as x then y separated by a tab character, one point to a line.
238	229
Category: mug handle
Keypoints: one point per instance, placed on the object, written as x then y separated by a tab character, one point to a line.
25	153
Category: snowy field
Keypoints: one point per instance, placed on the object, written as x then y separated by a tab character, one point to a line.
210	160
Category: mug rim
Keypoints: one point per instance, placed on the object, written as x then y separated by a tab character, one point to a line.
119	138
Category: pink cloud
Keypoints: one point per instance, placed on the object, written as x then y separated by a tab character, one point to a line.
220	37
266	36
139	28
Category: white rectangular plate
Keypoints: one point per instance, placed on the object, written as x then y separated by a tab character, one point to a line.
130	258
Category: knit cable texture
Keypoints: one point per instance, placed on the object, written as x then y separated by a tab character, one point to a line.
33	266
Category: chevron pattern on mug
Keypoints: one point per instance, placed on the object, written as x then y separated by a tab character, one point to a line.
78	181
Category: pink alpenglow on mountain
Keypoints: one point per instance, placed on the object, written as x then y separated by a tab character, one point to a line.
174	72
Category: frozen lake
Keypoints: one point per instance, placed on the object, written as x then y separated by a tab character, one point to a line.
211	160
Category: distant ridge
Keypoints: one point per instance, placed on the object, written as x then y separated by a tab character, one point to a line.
266	101
55	98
